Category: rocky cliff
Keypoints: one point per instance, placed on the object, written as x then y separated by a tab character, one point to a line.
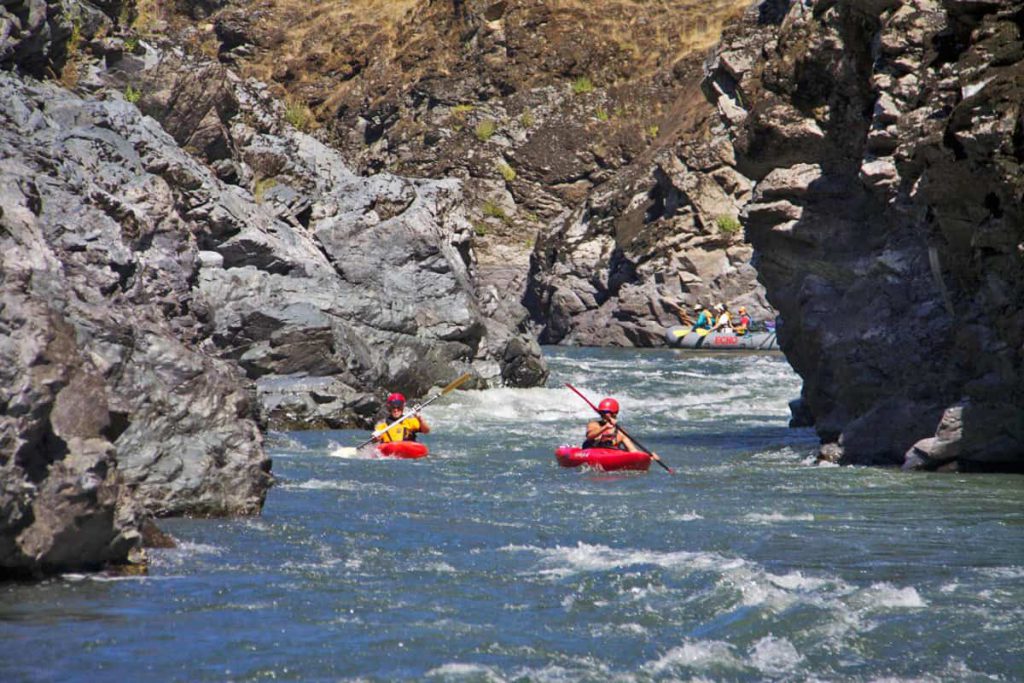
181	267
576	128
885	143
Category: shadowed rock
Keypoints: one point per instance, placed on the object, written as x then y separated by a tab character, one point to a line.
886	218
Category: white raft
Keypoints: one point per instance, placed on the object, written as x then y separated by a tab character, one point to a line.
685	338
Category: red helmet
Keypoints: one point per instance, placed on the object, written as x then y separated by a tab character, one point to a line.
396	400
608	405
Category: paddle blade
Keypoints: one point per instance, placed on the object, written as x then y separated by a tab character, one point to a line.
454	385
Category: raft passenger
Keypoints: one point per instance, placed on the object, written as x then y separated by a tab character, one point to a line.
722	321
744	321
402	430
704	319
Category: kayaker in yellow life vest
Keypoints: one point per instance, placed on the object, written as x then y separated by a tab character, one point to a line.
405	430
604	433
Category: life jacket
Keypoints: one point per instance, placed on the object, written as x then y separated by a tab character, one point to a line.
403	431
704	321
744	324
613	441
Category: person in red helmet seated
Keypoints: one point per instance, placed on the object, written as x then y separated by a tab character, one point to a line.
604	432
401	430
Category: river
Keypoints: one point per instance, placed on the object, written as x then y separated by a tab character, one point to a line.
488	562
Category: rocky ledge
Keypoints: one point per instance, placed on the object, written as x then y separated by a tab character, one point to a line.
180	268
884	142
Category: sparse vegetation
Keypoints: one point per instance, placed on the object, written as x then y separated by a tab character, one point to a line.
132	95
652	131
131	44
146	15
492	210
261	187
728	224
460	110
506	171
298	114
69	73
526	118
479	228
601	114
485	129
582	85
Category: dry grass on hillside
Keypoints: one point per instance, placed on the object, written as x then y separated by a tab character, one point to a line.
653	32
339	39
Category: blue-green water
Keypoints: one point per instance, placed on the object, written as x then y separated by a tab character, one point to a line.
488	562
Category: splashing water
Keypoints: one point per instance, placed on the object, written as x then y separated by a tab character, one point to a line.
488	562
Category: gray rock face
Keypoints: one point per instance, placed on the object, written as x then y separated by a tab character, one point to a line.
602	276
109	411
882	139
328	288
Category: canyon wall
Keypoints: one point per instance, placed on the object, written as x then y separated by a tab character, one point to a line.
885	142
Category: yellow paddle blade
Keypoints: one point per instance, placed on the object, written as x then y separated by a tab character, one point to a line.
456	383
702	332
681	332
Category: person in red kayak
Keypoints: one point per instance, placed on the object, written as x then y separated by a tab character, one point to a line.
604	433
401	430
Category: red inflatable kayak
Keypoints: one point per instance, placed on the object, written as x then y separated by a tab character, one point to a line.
402	449
607	459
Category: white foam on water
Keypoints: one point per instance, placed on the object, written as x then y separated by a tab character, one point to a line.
322	485
1009	572
564	561
184	552
773	655
888	595
691	516
336	450
772	517
460	670
697	654
796	581
630	628
587	668
75	577
439	568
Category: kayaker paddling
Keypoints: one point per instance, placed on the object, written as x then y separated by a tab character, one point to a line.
604	432
399	429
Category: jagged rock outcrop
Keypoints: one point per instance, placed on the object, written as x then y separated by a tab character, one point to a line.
534	105
669	233
110	413
172	281
327	287
885	141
